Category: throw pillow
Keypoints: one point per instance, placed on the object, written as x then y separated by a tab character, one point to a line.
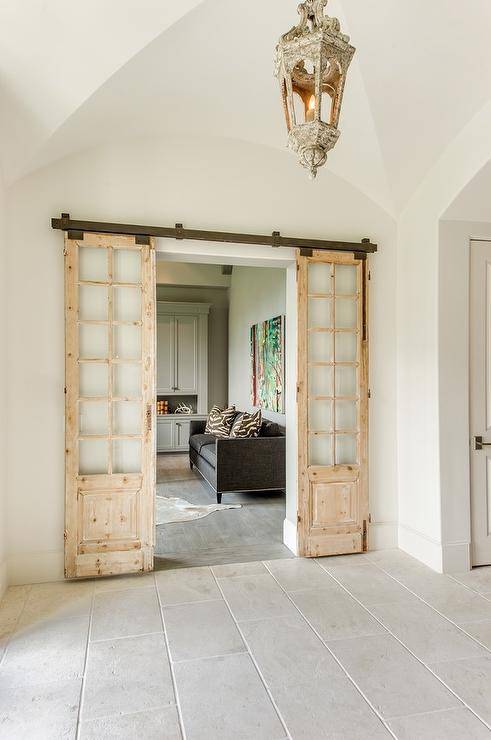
220	421
247	425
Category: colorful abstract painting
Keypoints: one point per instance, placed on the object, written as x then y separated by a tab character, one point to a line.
268	364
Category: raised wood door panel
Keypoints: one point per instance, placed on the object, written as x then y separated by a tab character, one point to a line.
332	405
182	429
165	435
186	373
110	405
166	358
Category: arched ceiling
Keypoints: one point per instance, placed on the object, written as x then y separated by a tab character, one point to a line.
81	74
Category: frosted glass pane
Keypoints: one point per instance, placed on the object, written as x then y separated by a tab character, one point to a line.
320	381
92	456
320	277
346	313
346	449
92	303
346	347
93	379
92	264
126	456
127	417
93	418
346	279
127	266
127	304
93	341
320	346
320	449
320	417
127	381
320	312
127	342
345	381
347	415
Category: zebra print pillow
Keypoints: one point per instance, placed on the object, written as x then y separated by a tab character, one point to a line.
247	425
220	421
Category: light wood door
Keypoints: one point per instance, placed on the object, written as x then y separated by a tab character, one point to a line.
166	356
186	330
332	404
480	401
110	405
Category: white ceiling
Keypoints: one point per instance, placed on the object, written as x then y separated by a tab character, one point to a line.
474	202
75	74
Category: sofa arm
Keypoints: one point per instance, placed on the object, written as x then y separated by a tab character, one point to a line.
253	464
197	426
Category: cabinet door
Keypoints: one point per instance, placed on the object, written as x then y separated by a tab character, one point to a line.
165	435
165	354
186	328
181	438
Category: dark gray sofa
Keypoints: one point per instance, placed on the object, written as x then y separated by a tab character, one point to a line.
231	464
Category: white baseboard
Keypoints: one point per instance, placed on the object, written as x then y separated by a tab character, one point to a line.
290	536
3	578
382	535
35	567
452	557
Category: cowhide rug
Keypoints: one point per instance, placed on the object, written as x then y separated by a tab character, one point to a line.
169	510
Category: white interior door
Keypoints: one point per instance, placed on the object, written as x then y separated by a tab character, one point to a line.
480	401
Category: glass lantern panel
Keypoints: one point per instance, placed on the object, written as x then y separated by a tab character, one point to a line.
320	416
346	347
127	342
326	107
93	303
127	417
127	266
346	449
127	456
345	380
346	313
93	264
93	341
127	381
320	449
127	304
320	346
92	456
320	313
93	418
320	278
94	379
320	381
347	415
346	280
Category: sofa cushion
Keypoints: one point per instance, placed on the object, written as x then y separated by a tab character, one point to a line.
270	429
196	441
246	425
220	421
209	453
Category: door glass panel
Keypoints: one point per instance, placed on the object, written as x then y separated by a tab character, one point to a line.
320	417
126	456
345	380
93	341
346	279
127	381
127	304
320	381
346	449
346	415
127	417
93	417
320	449
93	379
93	303
320	346
127	342
127	266
346	313
92	456
92	264
320	278
346	347
320	312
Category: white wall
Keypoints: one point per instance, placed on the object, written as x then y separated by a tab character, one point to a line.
220	185
256	294
3	395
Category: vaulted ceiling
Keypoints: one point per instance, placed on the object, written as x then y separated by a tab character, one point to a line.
79	74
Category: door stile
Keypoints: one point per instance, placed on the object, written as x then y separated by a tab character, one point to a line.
149	348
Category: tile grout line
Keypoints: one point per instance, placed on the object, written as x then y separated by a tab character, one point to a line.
86	660
171	663
253	659
336	659
15	625
427	667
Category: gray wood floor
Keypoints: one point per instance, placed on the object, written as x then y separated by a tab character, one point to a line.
252	533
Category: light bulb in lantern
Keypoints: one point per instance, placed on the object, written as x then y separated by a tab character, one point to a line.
309	116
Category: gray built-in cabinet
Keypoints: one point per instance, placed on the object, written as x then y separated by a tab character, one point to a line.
182	368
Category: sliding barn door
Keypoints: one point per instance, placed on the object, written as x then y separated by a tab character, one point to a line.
110	405
332	404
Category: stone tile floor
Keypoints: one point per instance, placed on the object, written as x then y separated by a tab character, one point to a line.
357	647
